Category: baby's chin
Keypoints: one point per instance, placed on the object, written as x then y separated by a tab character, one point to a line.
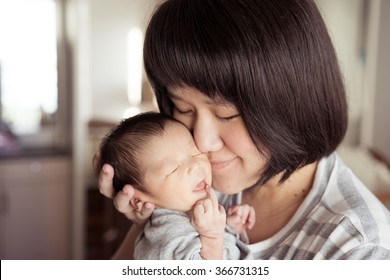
187	208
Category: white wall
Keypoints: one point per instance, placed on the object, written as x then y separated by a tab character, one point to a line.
361	35
110	23
344	21
381	111
78	30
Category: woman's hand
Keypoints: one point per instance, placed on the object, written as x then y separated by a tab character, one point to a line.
124	201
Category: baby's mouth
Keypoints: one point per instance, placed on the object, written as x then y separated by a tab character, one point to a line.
200	187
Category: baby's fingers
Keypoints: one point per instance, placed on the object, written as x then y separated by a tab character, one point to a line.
245	213
213	198
222	210
199	210
197	214
252	218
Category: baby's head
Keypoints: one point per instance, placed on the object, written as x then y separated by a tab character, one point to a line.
157	156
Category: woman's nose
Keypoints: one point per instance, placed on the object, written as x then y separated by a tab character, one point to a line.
207	136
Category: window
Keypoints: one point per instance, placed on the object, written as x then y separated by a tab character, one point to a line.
29	90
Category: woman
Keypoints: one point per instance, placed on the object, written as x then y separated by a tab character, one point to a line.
257	83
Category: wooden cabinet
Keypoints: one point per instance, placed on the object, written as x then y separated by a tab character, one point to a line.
106	227
35	208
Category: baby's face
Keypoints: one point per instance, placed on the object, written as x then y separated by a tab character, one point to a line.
175	172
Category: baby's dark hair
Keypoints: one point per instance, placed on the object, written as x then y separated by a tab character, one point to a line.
123	144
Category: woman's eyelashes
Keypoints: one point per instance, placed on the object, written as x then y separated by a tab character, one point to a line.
220	117
228	118
183	112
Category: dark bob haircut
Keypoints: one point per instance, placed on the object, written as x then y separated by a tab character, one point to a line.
123	144
274	60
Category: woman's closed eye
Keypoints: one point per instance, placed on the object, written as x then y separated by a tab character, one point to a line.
228	118
183	111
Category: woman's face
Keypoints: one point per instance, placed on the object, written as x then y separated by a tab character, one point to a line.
220	132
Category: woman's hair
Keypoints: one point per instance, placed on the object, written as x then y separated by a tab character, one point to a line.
122	146
274	60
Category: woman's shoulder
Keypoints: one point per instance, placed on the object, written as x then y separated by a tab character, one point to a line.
351	214
345	193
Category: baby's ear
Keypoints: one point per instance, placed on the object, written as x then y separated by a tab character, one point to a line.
138	197
133	202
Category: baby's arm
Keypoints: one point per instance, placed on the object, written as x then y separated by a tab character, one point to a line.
209	219
240	218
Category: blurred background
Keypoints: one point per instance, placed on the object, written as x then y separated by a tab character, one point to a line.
71	69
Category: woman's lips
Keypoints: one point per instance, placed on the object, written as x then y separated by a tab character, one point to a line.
215	165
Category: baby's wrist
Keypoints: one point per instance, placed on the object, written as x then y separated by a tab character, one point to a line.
212	247
212	235
212	231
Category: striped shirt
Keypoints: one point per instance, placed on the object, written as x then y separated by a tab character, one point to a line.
339	219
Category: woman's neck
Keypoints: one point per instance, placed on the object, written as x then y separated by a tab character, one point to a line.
275	204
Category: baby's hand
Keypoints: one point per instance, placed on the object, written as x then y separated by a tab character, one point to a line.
241	217
208	217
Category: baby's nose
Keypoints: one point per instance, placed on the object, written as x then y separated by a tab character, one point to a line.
195	169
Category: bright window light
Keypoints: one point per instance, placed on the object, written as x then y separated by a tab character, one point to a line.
134	66
28	61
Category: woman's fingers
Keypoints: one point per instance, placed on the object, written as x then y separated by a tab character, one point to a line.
106	176
125	201
122	200
135	210
145	209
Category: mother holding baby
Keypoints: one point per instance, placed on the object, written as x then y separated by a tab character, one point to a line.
257	82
